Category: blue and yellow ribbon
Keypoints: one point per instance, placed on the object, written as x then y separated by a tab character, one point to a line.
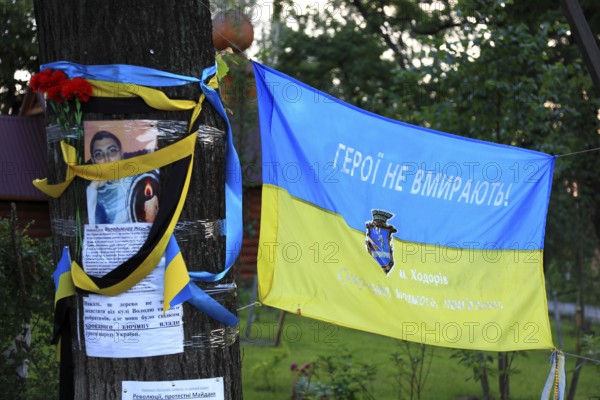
130	81
557	379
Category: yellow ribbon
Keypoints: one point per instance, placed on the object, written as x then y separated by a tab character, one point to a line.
176	279
116	169
154	98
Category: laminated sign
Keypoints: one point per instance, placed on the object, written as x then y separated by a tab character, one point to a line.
399	230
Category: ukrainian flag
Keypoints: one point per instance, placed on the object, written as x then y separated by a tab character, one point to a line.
378	225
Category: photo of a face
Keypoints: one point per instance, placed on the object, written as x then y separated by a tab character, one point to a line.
128	199
105	147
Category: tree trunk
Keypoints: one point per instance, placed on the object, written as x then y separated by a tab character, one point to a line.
503	375
483	377
580	307
174	37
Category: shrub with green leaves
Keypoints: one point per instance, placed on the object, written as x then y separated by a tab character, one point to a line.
28	366
335	376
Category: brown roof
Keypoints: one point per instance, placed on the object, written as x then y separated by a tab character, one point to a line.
22	157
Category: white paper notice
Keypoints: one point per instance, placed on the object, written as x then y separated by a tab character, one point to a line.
170	390
131	324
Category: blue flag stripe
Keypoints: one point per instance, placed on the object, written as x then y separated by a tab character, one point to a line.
443	189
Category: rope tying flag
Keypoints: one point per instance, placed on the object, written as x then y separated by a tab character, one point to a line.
557	380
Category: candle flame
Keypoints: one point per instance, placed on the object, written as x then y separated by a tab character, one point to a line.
148	190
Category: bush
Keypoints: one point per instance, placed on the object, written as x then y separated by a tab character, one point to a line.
334	377
28	366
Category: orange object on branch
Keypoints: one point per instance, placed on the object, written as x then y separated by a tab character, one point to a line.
232	29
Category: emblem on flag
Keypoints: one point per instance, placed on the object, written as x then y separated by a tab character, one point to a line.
379	239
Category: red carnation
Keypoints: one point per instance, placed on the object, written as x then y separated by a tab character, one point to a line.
77	88
54	94
34	83
57	78
46	80
40	82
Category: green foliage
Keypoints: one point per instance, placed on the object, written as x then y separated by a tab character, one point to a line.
590	345
479	362
238	93
334	377
446	378
339	57
411	368
481	365
18	51
263	371
28	300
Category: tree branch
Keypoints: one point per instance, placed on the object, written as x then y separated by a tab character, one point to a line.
378	29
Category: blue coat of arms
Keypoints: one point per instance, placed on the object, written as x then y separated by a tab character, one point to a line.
379	239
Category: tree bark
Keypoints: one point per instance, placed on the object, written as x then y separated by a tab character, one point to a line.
580	306
174	37
503	375
483	377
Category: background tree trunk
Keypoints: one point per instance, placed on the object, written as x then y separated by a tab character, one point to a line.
174	37
503	375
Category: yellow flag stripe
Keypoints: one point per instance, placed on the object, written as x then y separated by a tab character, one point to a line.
314	263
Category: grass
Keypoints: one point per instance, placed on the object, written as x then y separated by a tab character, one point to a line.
266	370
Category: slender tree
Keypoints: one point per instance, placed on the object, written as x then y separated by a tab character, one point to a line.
174	37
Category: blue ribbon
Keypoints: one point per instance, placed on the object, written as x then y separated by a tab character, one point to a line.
144	76
233	177
121	73
196	296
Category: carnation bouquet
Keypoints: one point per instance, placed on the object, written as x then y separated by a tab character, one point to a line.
65	96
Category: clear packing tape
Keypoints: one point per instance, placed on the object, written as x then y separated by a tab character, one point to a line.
200	229
64	227
184	230
168	131
217	338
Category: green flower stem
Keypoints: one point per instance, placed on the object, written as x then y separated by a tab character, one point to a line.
73	122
